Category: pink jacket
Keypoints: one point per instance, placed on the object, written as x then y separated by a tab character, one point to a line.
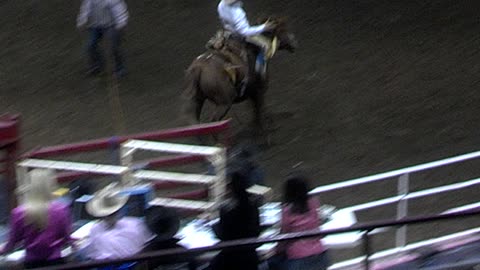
293	222
40	245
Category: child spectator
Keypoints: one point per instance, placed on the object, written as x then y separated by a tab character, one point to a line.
299	213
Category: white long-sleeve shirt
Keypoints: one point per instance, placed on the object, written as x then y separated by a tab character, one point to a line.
234	19
103	13
126	238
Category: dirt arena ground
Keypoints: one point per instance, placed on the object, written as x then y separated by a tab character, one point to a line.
375	85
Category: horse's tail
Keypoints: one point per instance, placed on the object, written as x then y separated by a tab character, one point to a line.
193	98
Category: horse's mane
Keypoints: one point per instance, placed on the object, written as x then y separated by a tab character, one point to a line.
280	21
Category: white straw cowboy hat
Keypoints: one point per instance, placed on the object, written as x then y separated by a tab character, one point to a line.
107	201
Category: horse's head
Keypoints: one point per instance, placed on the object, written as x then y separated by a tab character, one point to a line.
286	39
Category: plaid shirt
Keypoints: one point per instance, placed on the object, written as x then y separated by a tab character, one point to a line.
103	13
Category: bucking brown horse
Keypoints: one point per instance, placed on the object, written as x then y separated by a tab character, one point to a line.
219	75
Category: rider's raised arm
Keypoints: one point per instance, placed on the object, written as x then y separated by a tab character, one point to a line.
82	17
234	19
243	27
120	13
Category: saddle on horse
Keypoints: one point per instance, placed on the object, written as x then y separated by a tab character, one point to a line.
239	63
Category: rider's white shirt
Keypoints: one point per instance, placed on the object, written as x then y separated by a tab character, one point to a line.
234	19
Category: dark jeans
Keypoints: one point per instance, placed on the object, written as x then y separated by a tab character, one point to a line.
37	264
315	262
96	59
235	260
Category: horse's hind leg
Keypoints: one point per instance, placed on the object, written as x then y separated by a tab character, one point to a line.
258	110
220	112
260	127
192	109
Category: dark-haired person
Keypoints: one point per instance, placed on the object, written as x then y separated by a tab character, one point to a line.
243	159
299	213
164	224
239	218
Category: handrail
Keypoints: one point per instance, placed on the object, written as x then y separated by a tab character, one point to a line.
144	164
376	177
414	195
403	195
407	249
99	144
366	227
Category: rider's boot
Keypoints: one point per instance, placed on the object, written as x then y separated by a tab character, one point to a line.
261	65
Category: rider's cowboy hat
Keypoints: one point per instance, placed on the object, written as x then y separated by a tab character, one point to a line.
107	201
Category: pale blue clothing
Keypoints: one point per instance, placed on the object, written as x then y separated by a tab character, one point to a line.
234	19
126	238
103	14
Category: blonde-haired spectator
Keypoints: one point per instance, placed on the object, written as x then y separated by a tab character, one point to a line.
40	224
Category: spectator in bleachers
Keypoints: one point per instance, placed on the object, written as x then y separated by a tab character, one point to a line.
114	236
243	159
164	223
239	218
41	225
299	213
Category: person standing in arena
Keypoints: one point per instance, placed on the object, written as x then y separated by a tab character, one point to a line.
104	18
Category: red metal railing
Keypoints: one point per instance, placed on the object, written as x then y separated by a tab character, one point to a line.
105	143
9	143
216	128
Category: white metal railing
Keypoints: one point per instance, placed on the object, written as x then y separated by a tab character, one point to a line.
130	175
399	172
414	195
403	195
132	145
216	156
385	254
